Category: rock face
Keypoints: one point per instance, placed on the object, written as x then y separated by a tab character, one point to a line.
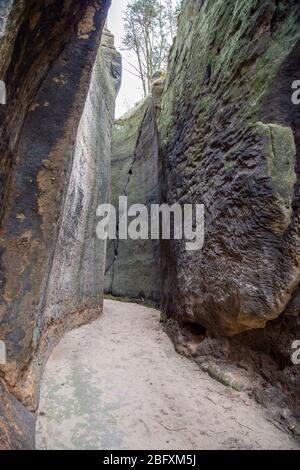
76	281
55	150
17	425
230	139
133	266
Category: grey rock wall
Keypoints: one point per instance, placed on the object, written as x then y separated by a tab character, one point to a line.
54	159
133	266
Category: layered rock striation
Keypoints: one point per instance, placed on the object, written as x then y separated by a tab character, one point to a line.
229	138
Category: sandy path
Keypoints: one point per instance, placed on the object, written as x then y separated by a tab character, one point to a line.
118	384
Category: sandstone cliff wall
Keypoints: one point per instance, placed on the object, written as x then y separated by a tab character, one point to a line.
133	266
55	149
229	139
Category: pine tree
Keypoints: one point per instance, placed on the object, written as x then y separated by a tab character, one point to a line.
150	28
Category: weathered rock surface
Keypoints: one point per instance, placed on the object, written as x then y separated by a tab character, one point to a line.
133	266
55	149
230	140
228	137
130	390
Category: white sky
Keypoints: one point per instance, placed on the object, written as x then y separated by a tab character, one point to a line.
131	91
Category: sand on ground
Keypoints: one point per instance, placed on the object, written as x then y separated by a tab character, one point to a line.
118	384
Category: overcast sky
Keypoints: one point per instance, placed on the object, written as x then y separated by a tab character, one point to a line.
131	90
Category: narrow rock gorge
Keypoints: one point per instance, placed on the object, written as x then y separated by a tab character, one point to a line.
229	138
220	129
133	266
